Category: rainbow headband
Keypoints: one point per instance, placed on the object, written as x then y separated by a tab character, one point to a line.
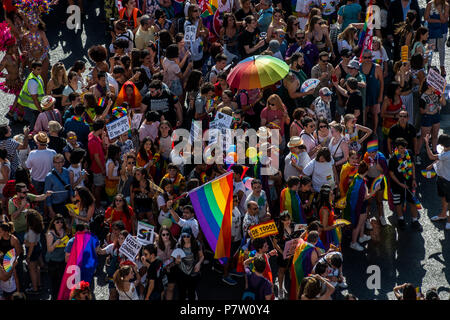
372	146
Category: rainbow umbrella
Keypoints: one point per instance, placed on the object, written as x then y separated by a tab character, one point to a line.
257	72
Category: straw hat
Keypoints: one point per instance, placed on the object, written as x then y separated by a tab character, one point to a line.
295	142
263	132
41	138
47	102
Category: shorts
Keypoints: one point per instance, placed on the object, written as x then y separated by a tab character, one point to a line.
99	180
283	263
36	252
430	119
443	188
398	197
375	108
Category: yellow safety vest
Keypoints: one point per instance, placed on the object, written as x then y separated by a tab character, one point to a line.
25	98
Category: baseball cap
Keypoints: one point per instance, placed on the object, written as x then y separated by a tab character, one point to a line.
354	64
325	91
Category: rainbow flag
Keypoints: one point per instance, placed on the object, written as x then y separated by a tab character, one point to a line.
290	201
378	180
101	102
347	173
428	173
81	265
213	204
355	199
301	266
372	146
365	37
381	160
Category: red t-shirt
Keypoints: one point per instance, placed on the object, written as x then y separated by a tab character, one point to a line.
120	216
272	115
95	146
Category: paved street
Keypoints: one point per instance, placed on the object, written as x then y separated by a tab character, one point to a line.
408	256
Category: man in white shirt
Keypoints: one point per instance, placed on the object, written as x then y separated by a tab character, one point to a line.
259	196
145	33
188	219
40	161
297	158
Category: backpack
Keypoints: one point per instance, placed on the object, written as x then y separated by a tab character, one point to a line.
250	294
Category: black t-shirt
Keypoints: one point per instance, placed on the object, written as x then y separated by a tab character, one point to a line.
408	133
130	20
164	105
394	166
57	143
250	39
155	272
240	14
354	102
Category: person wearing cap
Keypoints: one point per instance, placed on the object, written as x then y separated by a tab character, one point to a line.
321	105
274	47
296	159
375	86
40	161
49	113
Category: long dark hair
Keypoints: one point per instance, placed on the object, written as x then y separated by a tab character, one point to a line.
34	221
51	226
390	90
125	209
194	245
160	243
86	197
142	152
113	152
145	175
324	197
193	81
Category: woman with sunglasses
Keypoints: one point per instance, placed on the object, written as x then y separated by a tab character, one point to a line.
121	211
57	239
286	233
323	133
351	132
57	83
277	23
188	273
338	146
166	243
85	202
317	33
291	29
275	116
392	105
142	195
307	135
347	39
199	32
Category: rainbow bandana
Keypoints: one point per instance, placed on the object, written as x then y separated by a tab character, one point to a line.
372	146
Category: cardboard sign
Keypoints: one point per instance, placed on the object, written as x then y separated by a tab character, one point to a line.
145	233
136	121
223	120
437	81
263	230
130	247
289	248
190	33
117	127
405	53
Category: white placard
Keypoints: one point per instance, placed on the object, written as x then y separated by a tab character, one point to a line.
435	80
223	120
136	121
130	247
117	127
145	233
190	33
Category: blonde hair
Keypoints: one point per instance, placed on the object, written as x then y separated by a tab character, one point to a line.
275	99
119	276
54	126
348	35
54	74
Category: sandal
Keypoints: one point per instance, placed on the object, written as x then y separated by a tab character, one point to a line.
437	218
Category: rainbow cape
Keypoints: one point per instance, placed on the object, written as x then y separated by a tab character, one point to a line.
381	160
81	264
355	199
290	201
365	37
212	204
330	237
347	173
178	184
301	266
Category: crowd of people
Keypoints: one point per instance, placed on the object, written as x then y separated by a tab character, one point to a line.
359	138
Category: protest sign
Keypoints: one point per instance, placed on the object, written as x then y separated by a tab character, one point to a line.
190	33
117	127
223	120
145	233
130	247
289	248
263	230
435	80
135	123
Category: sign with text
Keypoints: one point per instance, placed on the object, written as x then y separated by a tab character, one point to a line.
145	233
117	127
263	230
137	119
130	247
190	33
435	80
289	248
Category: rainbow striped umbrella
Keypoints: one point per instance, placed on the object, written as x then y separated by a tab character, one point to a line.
257	72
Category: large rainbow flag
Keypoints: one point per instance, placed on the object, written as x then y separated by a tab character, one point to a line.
355	199
301	266
365	37
213	203
290	201
81	265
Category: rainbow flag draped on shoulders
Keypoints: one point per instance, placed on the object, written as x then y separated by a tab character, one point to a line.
301	266
213	203
290	201
365	37
355	199
346	176
81	264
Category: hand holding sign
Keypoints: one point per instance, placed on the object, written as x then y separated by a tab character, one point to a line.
435	80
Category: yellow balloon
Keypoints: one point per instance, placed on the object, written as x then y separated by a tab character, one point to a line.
251	152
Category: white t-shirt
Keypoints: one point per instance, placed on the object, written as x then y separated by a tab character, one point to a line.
328	6
304	6
442	167
239	186
343	44
191	223
308	140
321	173
289	170
76	174
380	57
40	163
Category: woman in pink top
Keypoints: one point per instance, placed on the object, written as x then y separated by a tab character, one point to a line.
48	113
275	116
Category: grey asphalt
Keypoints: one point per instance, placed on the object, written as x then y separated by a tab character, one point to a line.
408	256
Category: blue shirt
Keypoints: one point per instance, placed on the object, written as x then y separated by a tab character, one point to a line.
265	18
80	128
52	183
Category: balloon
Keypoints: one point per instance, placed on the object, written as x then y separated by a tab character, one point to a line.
232	155
231	148
167	222
251	152
229	160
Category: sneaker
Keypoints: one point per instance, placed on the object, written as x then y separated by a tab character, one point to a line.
437	218
447	226
31	291
383	221
401	224
342	285
281	295
368	225
364	238
236	274
418	160
356	246
416	226
229	280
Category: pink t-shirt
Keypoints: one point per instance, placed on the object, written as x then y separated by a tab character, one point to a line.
273	115
171	69
149	130
43	118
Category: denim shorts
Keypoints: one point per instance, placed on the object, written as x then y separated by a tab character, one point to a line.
429	119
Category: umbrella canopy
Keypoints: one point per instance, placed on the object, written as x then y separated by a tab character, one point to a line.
257	72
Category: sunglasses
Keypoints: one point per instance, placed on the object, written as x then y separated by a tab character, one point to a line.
271	104
58	162
368	57
58	222
119	200
186	236
164	234
72	138
321	127
324	61
403	116
296	24
131	162
300	38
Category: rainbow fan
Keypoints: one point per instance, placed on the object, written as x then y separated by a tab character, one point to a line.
376	182
428	173
8	260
